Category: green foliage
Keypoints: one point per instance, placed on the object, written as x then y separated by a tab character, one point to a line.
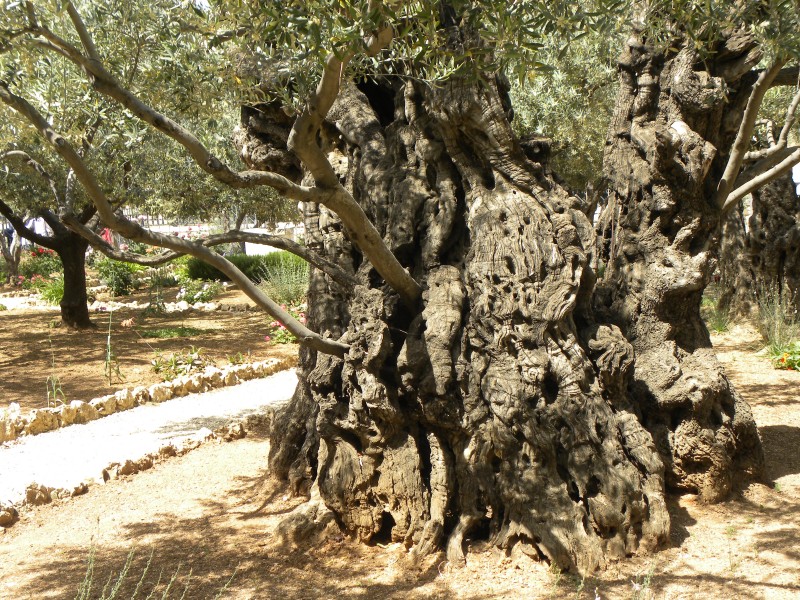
163	333
180	363
118	276
52	290
253	266
779	323
40	261
277	333
285	278
789	358
112	590
716	319
194	290
239	358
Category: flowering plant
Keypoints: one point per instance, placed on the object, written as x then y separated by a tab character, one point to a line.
789	358
40	261
278	333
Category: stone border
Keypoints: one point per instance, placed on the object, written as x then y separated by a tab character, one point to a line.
13	424
37	494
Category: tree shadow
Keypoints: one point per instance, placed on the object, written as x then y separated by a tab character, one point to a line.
780	443
224	546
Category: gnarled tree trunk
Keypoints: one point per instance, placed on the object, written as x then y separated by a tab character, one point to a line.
763	258
497	404
675	121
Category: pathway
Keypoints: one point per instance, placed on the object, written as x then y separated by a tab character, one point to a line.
67	457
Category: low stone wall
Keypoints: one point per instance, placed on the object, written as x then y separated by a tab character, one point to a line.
37	494
14	424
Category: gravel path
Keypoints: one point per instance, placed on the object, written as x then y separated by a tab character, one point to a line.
69	456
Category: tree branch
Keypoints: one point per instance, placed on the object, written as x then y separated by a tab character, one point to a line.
745	132
329	268
137	233
105	83
753	184
303	142
22	229
787	76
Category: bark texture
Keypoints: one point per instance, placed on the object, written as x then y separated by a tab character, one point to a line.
71	249
495	408
676	118
764	257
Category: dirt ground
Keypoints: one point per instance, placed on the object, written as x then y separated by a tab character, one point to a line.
34	346
208	520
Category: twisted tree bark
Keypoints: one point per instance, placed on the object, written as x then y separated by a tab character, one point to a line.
764	257
496	404
675	122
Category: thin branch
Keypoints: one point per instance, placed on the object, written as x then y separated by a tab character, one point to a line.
105	83
745	132
776	146
83	33
756	182
303	142
335	273
763	165
137	233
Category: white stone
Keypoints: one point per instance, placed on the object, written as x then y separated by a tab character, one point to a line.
105	405
83	412
40	421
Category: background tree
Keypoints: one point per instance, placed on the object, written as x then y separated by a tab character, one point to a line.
464	382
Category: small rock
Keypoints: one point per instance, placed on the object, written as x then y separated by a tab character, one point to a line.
141	395
168	450
128	468
83	412
204	434
36	495
144	463
79	489
233	432
8	515
111	472
105	405
160	392
125	399
40	421
65	415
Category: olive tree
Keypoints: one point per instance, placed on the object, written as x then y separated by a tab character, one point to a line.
459	370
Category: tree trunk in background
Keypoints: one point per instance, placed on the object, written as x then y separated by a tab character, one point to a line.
764	257
12	254
71	249
496	407
668	143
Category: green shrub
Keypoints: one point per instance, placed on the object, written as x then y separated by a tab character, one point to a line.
285	280
253	266
40	261
52	290
788	359
779	323
118	276
184	362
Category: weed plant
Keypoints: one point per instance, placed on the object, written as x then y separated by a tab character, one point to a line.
286	279
112	590
165	333
118	276
180	363
779	325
